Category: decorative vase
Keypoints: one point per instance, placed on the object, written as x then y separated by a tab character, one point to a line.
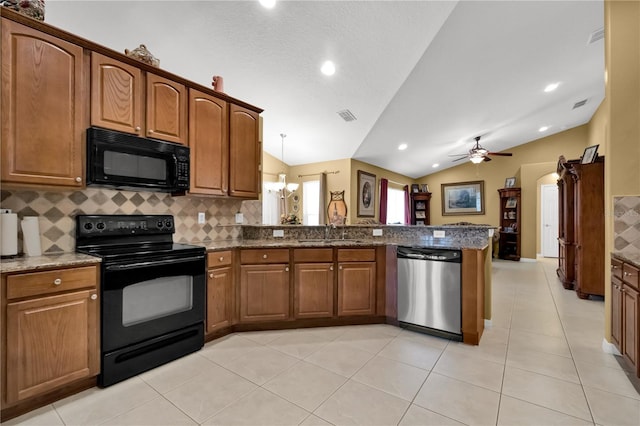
31	8
142	54
218	83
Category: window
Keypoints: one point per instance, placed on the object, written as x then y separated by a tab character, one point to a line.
311	202
395	206
270	205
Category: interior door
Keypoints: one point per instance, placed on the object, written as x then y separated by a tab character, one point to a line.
549	208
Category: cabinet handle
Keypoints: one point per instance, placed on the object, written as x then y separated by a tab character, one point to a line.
264	256
94	296
331	268
57	281
286	269
628	274
613	267
221	258
340	267
78	179
210	275
150	131
137	128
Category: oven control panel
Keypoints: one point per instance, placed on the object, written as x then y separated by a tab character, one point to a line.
114	225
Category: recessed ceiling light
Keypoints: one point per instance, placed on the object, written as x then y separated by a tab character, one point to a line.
551	87
328	68
402	146
269	4
436	165
543	129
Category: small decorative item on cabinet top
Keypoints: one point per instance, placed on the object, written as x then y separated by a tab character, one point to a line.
415	188
218	83
31	8
143	55
510	182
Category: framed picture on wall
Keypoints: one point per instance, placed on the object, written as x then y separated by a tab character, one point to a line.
366	194
463	198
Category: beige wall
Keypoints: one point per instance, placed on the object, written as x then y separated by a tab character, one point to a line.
529	163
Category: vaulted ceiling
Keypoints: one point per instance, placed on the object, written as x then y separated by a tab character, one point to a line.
430	74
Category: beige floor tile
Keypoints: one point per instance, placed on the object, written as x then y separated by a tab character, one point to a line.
393	377
157	412
523	340
306	385
458	400
370	338
588	355
261	364
209	393
358	404
415	352
612	409
521	413
228	348
299	345
607	379
175	373
543	363
494	352
44	416
418	416
264	337
425	339
546	391
340	358
470	369
95	405
313	420
260	407
327	334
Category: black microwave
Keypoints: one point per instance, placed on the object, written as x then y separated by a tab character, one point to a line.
123	161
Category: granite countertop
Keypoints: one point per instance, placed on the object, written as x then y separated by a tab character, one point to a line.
632	258
26	263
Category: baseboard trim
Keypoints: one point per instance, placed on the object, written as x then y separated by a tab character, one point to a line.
528	259
609	348
488	323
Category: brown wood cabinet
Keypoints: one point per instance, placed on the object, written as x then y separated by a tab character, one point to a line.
51	330
264	285
625	319
584	242
44	114
510	219
356	282
244	153
219	290
209	143
313	285
420	211
126	99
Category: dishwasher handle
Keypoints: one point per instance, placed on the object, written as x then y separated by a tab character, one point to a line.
438	255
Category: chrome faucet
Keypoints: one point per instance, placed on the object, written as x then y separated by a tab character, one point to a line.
327	228
344	232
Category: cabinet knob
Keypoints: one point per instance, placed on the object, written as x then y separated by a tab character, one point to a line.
613	267
57	281
331	268
340	267
221	258
150	131
78	179
94	296
210	275
137	128
264	256
286	269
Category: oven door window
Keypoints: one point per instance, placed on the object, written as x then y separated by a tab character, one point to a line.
156	298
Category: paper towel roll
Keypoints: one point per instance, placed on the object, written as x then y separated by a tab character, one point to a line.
9	230
31	236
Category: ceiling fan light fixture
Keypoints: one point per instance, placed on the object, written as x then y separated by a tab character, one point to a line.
402	146
268	4
476	158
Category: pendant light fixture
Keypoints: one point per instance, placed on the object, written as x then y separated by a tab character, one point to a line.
282	184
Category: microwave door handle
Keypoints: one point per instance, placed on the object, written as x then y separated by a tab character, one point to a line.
175	166
152	263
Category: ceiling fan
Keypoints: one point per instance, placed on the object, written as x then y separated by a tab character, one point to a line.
478	154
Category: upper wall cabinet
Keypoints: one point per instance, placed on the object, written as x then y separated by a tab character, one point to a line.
43	109
119	101
244	156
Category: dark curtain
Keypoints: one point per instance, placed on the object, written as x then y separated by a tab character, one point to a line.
407	208
384	186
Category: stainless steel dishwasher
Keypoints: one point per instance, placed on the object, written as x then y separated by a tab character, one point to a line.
429	290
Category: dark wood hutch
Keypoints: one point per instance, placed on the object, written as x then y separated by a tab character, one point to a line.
420	213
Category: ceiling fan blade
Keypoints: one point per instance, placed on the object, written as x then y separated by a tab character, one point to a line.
487	159
503	154
458	155
461	158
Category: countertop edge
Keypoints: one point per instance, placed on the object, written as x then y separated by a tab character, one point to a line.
633	259
47	261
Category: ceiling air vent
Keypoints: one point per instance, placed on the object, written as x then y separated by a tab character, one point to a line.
347	115
596	35
579	103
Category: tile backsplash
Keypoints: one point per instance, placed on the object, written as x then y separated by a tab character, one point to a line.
626	224
57	210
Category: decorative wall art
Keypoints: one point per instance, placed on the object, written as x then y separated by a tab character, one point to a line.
337	209
366	194
463	198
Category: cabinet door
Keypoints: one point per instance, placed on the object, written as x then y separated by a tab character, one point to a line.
166	109
630	326
616	313
244	155
209	143
116	95
313	290
219	299
356	288
51	341
264	292
43	108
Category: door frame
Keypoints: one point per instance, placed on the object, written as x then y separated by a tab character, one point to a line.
542	222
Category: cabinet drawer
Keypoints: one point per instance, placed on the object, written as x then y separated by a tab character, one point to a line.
264	256
218	258
356	255
37	283
313	255
616	268
630	275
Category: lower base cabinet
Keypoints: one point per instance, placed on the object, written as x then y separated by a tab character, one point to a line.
313	290
264	292
625	302
356	288
220	295
630	326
